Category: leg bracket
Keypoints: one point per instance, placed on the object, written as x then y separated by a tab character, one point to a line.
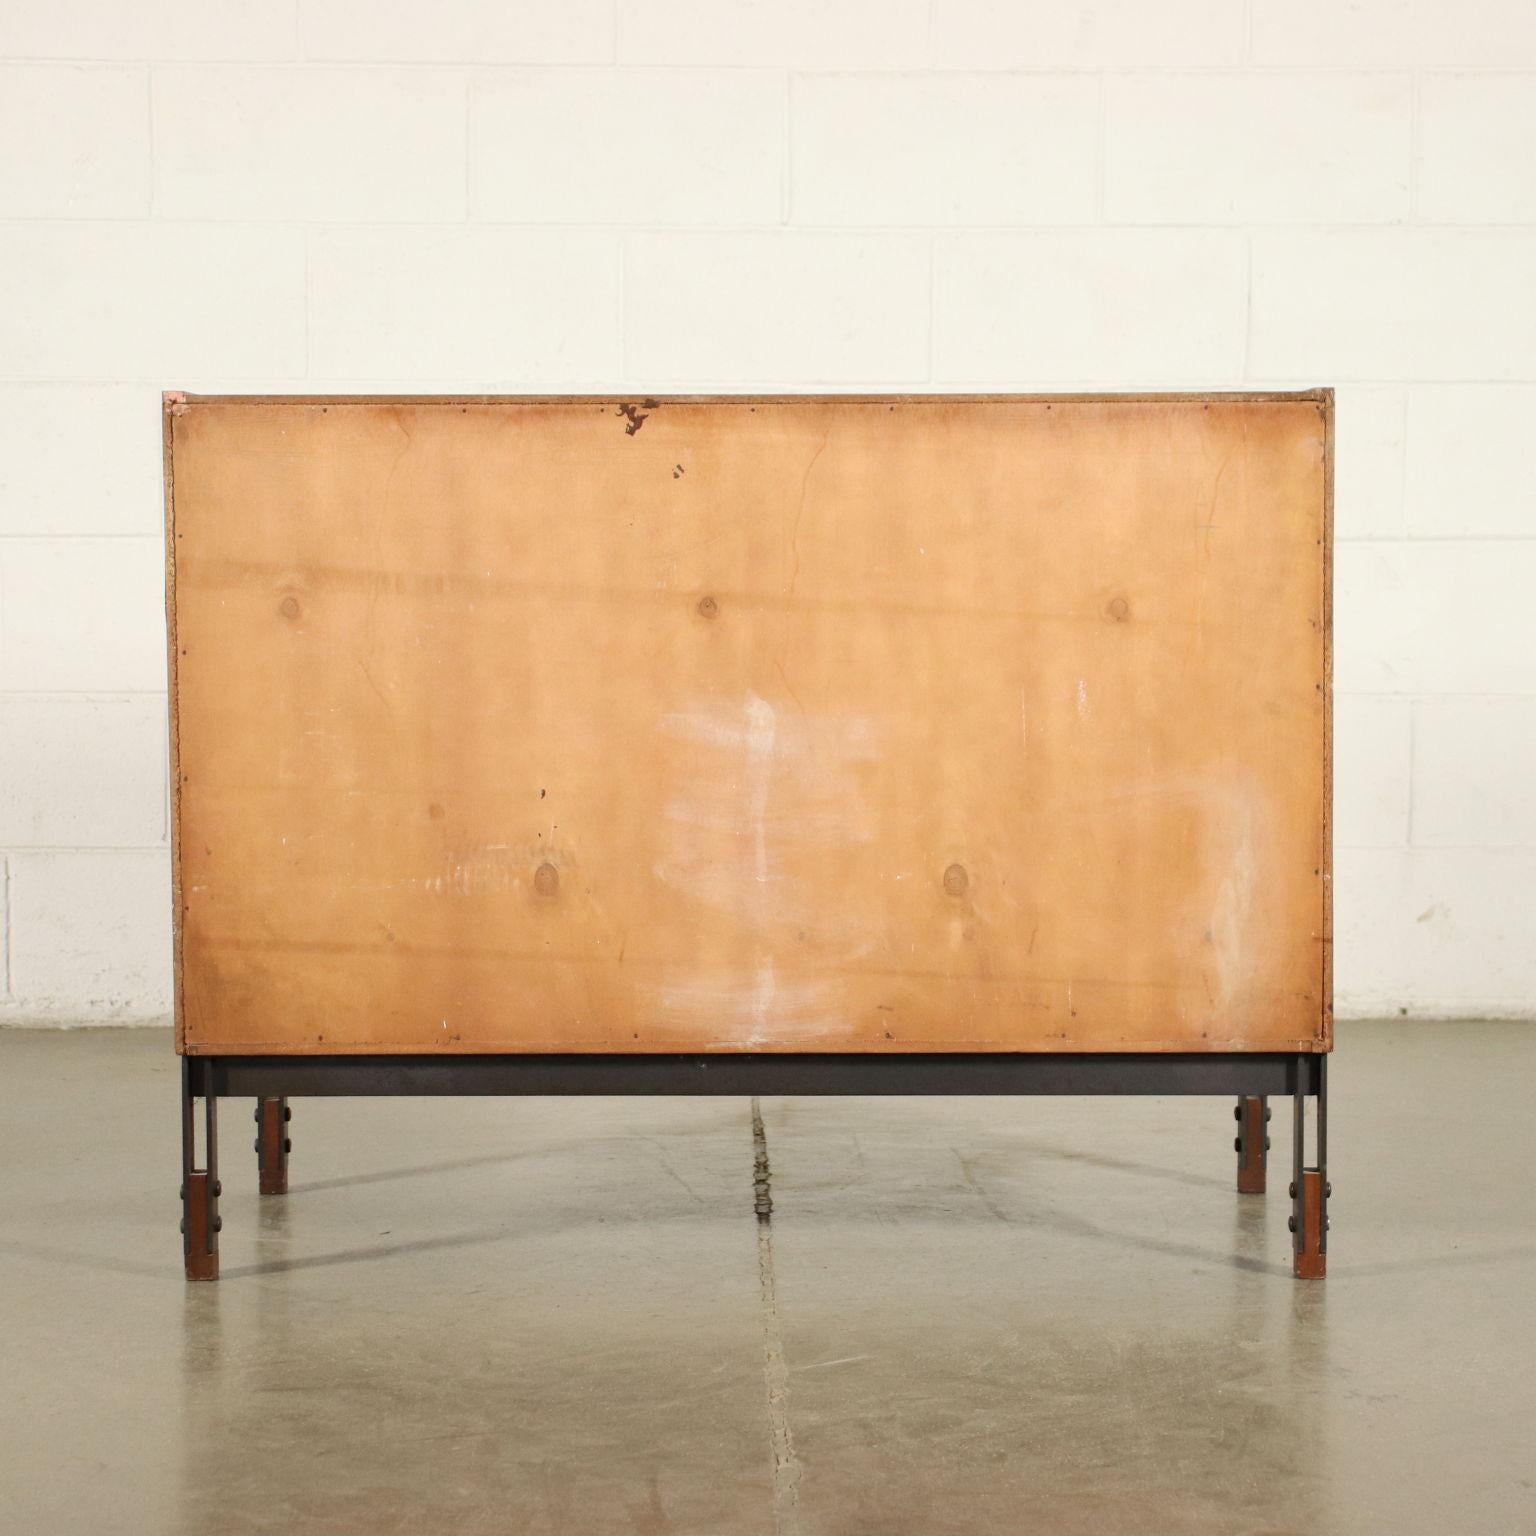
1252	1144
273	1145
200	1187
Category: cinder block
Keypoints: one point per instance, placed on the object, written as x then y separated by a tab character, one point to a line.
82	615
1368	462
460	31
1325	34
1389	34
1393	304
1477	148
1370	771
155	302
1106	309
82	772
48	485
1438	931
629	146
464	307
1256	149
74	143
332	144
1474	34
1474	774
804	34
110	29
1007	34
90	934
1469	465
944	149
1434	618
792	308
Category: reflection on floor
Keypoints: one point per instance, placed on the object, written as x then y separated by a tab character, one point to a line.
966	1315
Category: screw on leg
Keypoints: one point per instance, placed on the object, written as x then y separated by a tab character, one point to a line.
273	1145
200	1187
1251	1144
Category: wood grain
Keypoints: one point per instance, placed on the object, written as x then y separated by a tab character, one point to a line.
774	724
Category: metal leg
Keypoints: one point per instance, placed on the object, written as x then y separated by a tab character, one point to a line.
200	1187
1309	1185
1252	1144
273	1145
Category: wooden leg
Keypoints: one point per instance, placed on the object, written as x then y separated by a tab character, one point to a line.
200	1187
1311	1261
273	1145
1252	1144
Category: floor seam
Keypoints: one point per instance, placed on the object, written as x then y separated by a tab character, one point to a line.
786	1467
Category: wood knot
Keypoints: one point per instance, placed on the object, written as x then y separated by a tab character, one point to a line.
1119	610
546	879
956	881
708	607
289	607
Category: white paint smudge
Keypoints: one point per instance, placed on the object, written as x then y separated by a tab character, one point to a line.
760	786
723	1004
1234	899
480	870
794	736
762	1003
1234	833
753	787
761	734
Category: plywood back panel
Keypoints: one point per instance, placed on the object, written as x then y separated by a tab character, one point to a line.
591	725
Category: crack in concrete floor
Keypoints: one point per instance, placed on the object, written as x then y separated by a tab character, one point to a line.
786	1468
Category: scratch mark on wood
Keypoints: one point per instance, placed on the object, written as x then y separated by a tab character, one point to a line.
794	534
379	692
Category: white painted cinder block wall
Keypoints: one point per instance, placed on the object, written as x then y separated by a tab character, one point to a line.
636	195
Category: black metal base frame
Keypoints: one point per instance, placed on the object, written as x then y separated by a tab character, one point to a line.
1251	1077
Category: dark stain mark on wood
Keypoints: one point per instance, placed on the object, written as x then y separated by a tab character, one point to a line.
635	416
677	471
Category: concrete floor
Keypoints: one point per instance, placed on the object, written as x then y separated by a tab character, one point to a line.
966	1315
